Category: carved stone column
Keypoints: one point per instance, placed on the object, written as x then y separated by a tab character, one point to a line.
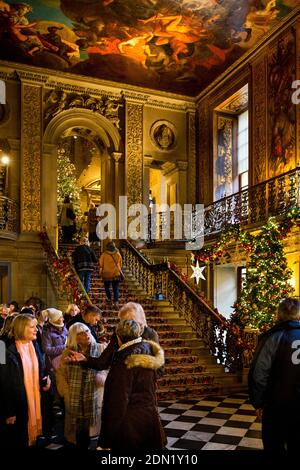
49	192
31	132
146	179
191	142
182	182
117	156
134	153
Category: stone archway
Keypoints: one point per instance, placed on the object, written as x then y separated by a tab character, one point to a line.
81	118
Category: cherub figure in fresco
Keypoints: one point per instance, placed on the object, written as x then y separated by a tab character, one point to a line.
177	31
4	6
64	49
20	31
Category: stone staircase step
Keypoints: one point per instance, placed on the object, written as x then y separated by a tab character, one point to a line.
190	370
186	379
170	393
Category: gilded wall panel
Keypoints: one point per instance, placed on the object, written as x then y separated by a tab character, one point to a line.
31	130
191	128
259	121
134	153
297	30
204	153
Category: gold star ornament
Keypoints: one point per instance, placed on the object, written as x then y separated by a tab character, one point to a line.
197	272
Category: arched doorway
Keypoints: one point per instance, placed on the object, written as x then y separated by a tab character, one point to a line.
85	126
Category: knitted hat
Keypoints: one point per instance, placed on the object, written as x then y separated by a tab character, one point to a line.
54	315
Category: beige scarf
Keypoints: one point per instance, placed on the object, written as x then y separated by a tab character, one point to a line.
32	386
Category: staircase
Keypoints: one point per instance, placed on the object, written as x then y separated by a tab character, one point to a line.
176	254
190	370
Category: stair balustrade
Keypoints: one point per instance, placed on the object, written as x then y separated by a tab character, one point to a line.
256	204
232	348
252	206
62	274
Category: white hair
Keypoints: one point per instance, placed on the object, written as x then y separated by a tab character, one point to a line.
74	330
133	311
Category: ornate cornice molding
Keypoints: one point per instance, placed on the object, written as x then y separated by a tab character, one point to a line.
94	86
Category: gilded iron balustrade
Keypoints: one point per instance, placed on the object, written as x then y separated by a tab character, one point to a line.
252	206
256	204
161	282
9	216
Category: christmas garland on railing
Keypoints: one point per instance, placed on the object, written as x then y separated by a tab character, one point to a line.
61	267
263	248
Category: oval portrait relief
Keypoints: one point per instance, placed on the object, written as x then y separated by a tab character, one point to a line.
163	135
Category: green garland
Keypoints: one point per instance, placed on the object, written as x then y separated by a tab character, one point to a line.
268	275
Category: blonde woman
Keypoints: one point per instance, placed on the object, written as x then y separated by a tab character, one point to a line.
81	388
72	311
23	380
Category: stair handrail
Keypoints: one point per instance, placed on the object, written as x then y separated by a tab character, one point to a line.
61	281
165	266
209	326
232	347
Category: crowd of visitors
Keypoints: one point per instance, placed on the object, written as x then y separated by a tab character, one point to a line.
57	361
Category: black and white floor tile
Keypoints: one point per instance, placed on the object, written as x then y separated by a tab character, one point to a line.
207	423
211	423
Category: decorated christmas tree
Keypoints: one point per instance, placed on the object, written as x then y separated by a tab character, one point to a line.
267	281
67	179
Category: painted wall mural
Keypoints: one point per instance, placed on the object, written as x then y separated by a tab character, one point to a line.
172	45
281	110
224	160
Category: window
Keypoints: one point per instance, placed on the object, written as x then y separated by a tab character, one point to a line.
242	151
231	145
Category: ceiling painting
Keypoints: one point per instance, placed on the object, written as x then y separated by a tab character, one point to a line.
178	46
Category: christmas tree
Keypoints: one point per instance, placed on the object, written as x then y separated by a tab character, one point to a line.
67	179
267	281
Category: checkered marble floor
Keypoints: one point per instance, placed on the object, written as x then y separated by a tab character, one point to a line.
211	423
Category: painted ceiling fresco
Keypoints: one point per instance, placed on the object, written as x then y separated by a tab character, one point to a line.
173	45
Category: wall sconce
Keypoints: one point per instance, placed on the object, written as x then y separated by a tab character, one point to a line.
4	162
5	159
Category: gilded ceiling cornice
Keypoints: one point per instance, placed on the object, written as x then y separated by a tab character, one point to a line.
93	86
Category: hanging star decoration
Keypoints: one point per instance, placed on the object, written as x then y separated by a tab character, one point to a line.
197	272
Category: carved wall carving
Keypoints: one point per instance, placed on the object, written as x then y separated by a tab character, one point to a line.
31	131
59	100
191	127
259	121
134	153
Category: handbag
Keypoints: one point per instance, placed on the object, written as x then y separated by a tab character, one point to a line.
122	277
70	214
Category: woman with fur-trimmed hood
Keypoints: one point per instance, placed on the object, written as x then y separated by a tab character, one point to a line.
130	420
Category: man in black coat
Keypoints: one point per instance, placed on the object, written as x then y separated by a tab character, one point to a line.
274	380
84	260
90	317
